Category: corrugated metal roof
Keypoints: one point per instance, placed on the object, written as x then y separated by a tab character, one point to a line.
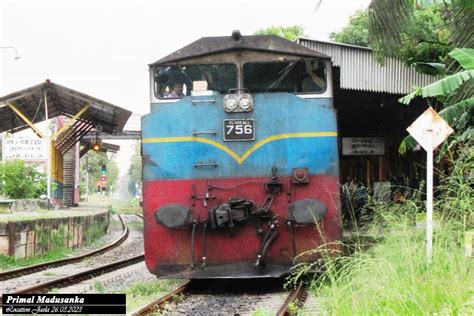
360	70
61	101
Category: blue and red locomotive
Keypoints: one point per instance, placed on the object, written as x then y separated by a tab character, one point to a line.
240	159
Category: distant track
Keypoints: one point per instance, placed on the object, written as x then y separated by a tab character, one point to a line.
6	275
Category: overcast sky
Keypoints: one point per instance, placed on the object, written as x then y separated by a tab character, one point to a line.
102	48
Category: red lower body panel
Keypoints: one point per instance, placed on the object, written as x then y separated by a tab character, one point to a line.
232	253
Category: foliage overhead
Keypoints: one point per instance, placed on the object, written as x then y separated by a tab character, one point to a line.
388	20
356	32
458	115
291	33
422	39
449	84
432	27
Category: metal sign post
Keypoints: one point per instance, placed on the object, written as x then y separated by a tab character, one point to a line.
429	130
429	198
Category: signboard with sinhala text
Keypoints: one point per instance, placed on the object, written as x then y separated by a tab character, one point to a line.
361	146
29	149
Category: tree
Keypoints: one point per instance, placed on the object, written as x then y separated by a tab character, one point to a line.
423	38
387	19
291	33
450	25
356	32
459	115
94	162
135	170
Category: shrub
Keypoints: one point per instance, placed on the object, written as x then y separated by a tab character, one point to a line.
21	181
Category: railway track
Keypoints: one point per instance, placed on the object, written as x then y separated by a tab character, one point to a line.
66	279
78	277
6	275
155	305
281	304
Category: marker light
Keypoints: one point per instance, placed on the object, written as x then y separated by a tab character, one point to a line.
245	103
231	104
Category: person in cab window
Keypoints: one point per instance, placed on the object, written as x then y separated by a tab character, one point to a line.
176	91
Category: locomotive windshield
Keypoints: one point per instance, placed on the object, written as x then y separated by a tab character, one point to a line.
304	76
177	81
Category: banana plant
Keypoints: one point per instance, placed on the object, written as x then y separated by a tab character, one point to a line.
458	114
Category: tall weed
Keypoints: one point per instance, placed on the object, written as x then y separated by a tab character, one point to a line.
393	276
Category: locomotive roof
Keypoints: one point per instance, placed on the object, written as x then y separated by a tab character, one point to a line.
218	44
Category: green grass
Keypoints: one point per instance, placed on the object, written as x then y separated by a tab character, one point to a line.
8	263
126	206
393	276
99	287
139	294
260	312
129	206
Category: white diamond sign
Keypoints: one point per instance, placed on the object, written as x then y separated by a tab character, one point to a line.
430	130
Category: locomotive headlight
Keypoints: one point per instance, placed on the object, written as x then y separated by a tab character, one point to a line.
237	101
245	103
230	104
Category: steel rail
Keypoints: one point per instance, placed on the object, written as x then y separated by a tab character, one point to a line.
6	275
78	277
150	307
297	296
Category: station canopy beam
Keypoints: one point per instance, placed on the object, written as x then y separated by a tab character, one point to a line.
25	108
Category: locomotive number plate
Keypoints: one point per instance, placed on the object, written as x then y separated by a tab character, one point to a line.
239	130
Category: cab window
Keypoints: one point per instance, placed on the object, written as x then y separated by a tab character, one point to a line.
303	76
177	81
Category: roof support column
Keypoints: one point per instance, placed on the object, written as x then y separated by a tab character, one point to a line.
57	157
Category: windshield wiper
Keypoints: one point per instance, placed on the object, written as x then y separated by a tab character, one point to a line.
284	73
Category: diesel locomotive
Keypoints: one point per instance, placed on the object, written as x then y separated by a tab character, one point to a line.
240	159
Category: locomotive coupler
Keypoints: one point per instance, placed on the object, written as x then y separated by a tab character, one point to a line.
228	214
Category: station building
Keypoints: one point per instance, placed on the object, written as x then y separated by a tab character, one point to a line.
371	121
